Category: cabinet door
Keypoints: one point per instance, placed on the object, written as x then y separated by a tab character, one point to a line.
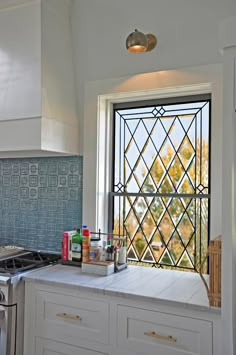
70	319
149	332
48	347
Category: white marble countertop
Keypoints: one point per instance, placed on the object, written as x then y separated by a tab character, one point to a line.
177	288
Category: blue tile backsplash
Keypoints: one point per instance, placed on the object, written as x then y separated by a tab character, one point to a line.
39	199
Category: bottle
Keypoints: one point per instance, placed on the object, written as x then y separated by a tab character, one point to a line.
103	254
123	253
86	245
116	254
109	250
108	241
77	246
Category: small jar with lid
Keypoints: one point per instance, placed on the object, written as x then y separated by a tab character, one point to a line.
95	251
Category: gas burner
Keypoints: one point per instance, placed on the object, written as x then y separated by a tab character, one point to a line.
27	261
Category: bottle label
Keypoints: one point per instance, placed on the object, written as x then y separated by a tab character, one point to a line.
76	247
76	256
85	256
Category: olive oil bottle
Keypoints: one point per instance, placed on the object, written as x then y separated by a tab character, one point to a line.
77	246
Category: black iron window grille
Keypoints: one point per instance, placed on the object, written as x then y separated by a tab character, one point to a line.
161	181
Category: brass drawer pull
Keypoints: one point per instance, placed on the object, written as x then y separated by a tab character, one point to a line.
162	337
68	316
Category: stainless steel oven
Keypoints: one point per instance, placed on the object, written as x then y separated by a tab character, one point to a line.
3	319
13	264
8	318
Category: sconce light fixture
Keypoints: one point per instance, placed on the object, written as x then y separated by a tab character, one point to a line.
138	42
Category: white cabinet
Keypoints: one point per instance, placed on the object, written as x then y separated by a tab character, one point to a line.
37	86
66	321
74	318
48	347
150	332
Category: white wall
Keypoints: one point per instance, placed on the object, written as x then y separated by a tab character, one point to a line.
186	31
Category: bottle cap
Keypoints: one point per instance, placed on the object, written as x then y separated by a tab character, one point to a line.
86	232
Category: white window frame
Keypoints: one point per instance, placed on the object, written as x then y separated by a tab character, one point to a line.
98	125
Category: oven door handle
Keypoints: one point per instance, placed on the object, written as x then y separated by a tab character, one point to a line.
7	307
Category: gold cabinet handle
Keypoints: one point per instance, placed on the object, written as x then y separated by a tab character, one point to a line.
161	337
68	316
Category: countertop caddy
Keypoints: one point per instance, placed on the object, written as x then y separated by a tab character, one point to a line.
138	311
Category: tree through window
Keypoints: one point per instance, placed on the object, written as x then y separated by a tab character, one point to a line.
161	180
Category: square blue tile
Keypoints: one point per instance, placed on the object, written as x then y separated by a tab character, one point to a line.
33	180
63	168
24	169
15	180
52	180
7	169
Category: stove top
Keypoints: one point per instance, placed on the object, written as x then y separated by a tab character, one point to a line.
27	260
9	250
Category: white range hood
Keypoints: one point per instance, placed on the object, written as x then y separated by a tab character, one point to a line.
37	86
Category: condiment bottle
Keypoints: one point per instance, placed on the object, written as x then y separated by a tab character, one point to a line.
109	249
86	245
108	241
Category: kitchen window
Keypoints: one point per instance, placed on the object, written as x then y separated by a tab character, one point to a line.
160	195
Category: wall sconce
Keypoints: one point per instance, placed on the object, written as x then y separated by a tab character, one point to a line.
138	42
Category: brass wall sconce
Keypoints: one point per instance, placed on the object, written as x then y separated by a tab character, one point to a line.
138	42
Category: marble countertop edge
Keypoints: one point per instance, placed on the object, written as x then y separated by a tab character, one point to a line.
63	276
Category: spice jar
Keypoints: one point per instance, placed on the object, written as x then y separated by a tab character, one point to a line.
95	252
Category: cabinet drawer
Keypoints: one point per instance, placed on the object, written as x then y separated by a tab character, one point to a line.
154	333
71	319
48	347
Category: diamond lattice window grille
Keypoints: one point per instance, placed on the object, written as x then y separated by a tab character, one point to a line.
160	193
